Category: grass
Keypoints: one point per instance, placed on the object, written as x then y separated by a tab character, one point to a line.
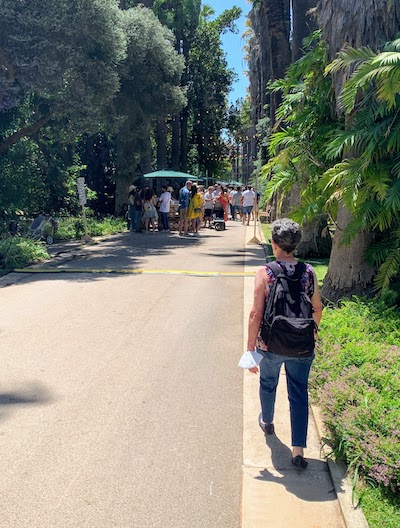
379	510
72	227
20	252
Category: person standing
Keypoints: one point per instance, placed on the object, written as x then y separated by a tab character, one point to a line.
236	202
184	199
248	200
165	204
286	236
208	206
136	209
217	190
149	208
223	199
231	193
194	211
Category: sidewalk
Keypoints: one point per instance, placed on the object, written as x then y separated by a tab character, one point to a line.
275	495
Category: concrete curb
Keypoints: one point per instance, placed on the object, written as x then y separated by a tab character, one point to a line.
352	516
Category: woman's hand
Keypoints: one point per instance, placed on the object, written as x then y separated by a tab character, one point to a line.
253	370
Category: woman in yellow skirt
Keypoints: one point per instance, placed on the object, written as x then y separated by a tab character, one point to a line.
195	210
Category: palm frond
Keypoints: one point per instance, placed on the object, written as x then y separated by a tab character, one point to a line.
348	57
389	269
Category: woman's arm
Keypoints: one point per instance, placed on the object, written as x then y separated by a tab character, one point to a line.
316	302
257	310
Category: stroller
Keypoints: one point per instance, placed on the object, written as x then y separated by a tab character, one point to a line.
43	228
218	222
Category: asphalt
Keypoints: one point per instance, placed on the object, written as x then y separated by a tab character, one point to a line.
274	494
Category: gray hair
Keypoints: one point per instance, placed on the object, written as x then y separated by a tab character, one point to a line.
286	234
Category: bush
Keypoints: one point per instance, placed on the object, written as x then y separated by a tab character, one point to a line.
355	379
21	252
72	227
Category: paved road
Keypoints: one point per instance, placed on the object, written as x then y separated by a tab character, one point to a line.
120	400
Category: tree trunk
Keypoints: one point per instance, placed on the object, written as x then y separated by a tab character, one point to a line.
303	24
185	111
316	240
161	133
184	139
278	27
348	273
175	143
146	154
124	170
357	23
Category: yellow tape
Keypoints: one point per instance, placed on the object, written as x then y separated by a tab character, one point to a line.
139	272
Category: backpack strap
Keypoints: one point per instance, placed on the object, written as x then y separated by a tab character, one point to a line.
275	268
270	302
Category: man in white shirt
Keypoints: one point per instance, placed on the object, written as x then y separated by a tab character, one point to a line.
248	201
165	203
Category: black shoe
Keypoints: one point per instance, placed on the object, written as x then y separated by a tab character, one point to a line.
299	462
268	429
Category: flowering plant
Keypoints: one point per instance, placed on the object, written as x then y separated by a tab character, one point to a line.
356	383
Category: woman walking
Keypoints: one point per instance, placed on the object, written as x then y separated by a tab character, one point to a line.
286	236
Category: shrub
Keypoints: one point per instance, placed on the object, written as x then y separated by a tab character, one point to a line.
72	227
356	382
20	252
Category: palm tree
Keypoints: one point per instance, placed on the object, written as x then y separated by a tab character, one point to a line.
357	23
303	24
370	183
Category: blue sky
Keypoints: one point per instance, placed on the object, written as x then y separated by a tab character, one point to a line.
233	44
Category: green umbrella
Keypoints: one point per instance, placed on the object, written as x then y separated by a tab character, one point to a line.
168	174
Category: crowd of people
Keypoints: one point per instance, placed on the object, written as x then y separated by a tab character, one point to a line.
196	207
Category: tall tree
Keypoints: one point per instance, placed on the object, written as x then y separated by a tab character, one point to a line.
66	53
357	23
211	80
150	88
182	17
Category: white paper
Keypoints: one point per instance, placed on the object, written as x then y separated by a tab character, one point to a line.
250	359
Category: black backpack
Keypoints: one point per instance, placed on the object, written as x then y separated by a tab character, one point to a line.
288	327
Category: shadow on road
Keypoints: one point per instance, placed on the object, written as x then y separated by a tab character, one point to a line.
32	393
129	251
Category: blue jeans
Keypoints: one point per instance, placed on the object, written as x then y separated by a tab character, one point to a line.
136	219
297	373
164	221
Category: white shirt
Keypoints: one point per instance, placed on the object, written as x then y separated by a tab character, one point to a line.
208	200
248	198
165	201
